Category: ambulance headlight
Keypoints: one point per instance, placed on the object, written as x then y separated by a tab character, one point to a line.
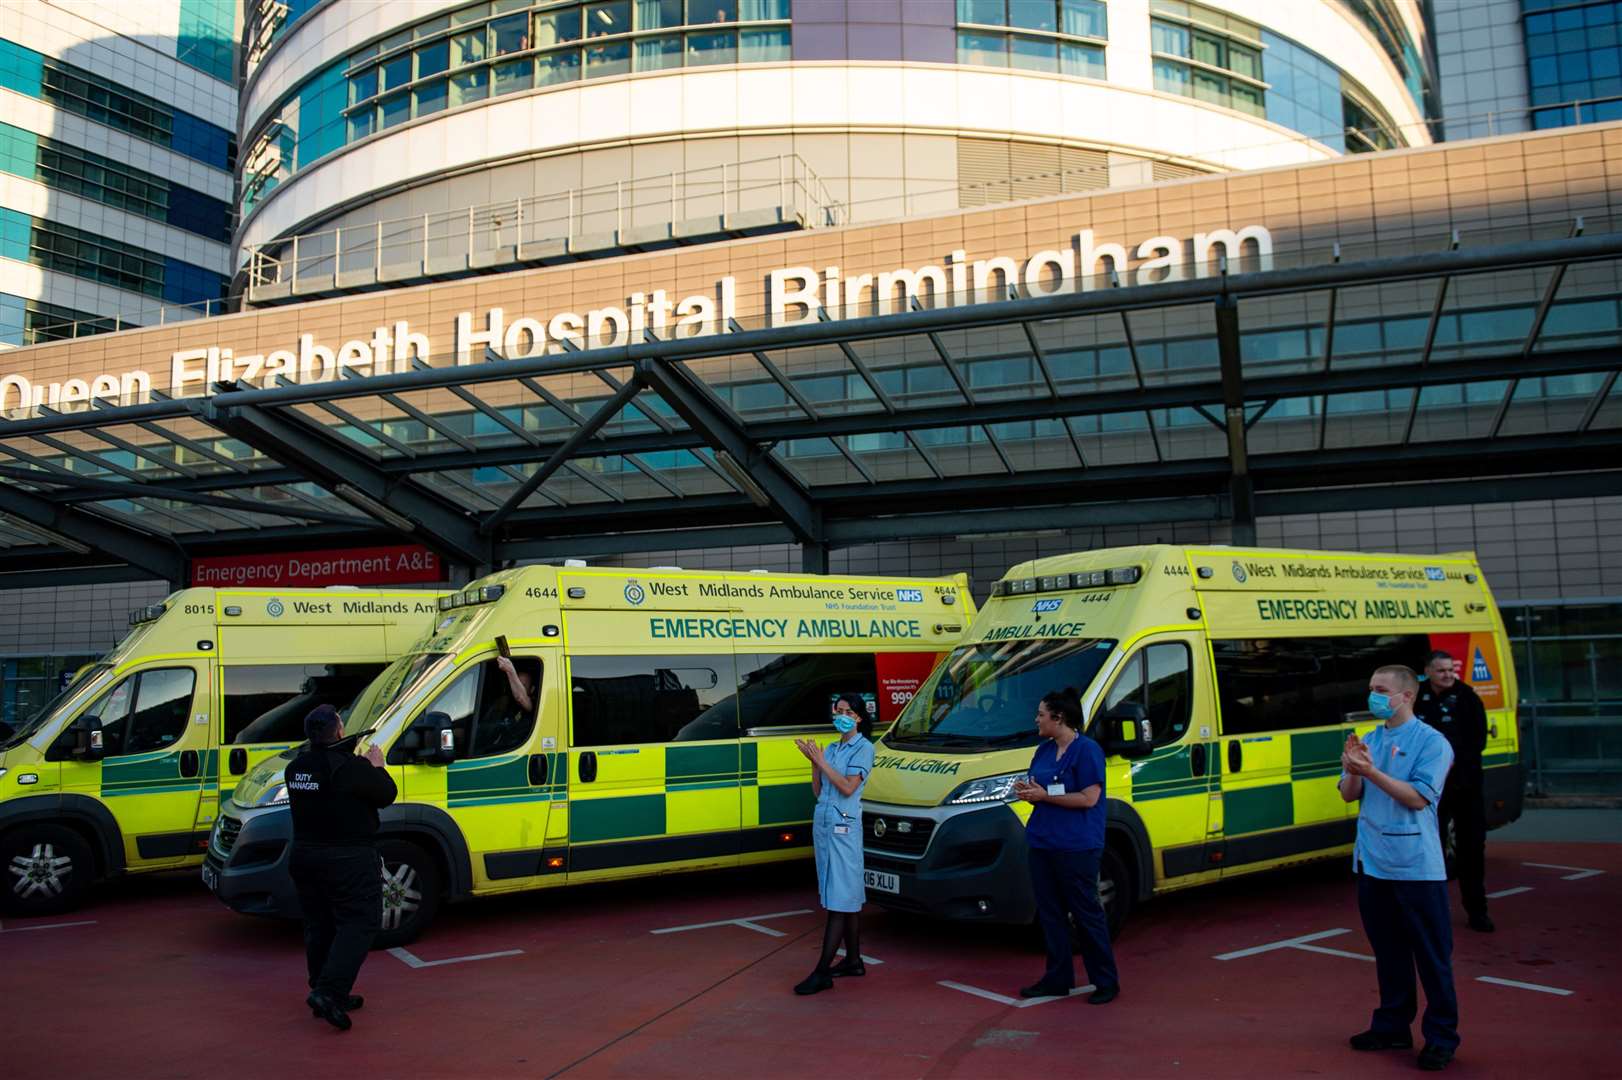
987	789
272	796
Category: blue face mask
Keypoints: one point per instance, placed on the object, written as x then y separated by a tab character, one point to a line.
1380	706
844	724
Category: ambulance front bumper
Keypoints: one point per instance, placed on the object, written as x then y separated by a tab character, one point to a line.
953	862
246	864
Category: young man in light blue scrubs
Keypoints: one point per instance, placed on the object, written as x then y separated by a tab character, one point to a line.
1398	773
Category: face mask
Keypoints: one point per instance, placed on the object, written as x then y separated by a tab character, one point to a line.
844	724
1380	706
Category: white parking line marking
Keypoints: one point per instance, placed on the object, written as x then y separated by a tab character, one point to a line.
46	926
405	956
1004	999
1287	943
1334	952
1509	892
1581	871
866	959
748	922
1525	985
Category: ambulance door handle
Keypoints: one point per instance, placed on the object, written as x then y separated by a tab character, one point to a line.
188	763
537	770
588	767
1236	757
238	761
1196	760
1492	730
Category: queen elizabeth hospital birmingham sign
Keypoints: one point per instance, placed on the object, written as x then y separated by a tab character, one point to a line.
795	294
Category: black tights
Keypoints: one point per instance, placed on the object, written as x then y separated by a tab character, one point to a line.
842	928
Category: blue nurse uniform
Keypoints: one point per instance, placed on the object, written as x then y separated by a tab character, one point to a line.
836	828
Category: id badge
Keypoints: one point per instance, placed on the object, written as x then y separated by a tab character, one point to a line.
841	830
1055	789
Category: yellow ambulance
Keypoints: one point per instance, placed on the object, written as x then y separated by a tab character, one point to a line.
646	726
1221	683
124	770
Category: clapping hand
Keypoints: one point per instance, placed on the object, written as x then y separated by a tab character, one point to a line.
1031	793
1354	757
809	747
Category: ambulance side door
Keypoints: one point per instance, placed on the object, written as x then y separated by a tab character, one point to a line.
1168	676
155	737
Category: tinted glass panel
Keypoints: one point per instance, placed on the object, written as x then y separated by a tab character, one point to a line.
653	699
162	710
490	712
797	690
268	702
1280	684
1158	679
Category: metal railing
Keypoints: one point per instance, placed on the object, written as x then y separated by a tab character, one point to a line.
692	204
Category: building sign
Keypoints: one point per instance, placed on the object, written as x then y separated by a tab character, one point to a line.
403	564
792	295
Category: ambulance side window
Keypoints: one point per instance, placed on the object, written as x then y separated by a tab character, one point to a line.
794	690
1284	684
1157	678
653	699
268	702
161	701
485	716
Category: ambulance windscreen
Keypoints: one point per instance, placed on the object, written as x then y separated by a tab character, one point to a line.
986	694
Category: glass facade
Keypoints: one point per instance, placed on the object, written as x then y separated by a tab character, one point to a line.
1303	91
1574	61
1383	21
1568	660
112	183
75	90
207	37
1064	37
66	250
29	683
1207	55
29	322
496	48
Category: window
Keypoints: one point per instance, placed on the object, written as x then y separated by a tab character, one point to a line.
510	35
658	14
1042	45
1281	684
1033	54
162	709
1033	15
486	712
611	18
653	699
757	10
363	87
430	97
711	11
987	50
470	86
658	53
1215	42
711	49
268	702
763	46
984	12
613	58
396	109
432	59
1157	678
796	690
467	48
397	72
557	27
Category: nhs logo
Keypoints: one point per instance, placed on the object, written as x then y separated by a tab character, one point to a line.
1434	573
1043	606
910	596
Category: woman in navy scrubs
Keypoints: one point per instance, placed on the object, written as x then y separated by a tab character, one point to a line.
837	777
1065	837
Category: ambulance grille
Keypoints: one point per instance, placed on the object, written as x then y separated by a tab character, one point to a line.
900	835
226	832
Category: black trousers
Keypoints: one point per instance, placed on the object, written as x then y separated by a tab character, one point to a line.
1067	881
1463	806
340	890
1409	926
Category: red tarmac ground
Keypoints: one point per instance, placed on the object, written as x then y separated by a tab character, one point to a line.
164	982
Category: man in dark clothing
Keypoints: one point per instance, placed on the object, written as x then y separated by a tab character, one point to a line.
334	797
1453	708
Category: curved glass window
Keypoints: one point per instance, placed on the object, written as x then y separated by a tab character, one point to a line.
1208	55
1058	36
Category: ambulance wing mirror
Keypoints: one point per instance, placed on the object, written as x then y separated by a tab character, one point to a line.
1126	730
431	740
82	740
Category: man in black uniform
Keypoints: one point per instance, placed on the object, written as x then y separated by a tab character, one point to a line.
335	797
1452	707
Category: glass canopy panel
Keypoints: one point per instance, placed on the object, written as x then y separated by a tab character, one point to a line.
825	377
293	500
910	370
1366	418
1291	424
463	490
1609	414
1379	325
1115	438
1489	314
1282	335
817	462
688	471
354	433
1185	434
1456	411
1177	344
404	421
1579	321
155	455
747	388
1036	445
583	481
1086	353
996	361
960	451
1556	404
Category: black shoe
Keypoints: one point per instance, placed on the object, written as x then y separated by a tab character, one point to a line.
815	983
1434	1058
351	1004
1382	1040
847	970
1482	923
1043	990
327	1009
1105	996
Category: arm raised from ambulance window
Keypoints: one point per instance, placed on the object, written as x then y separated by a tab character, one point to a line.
516	685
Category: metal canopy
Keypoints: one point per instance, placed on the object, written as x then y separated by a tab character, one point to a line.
1334	387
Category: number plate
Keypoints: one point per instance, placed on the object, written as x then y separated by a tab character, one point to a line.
211	877
878	879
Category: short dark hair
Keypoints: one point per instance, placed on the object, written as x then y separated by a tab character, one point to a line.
323	725
1439	654
1066	705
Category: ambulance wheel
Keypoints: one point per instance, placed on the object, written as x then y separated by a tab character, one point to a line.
412	886
47	870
